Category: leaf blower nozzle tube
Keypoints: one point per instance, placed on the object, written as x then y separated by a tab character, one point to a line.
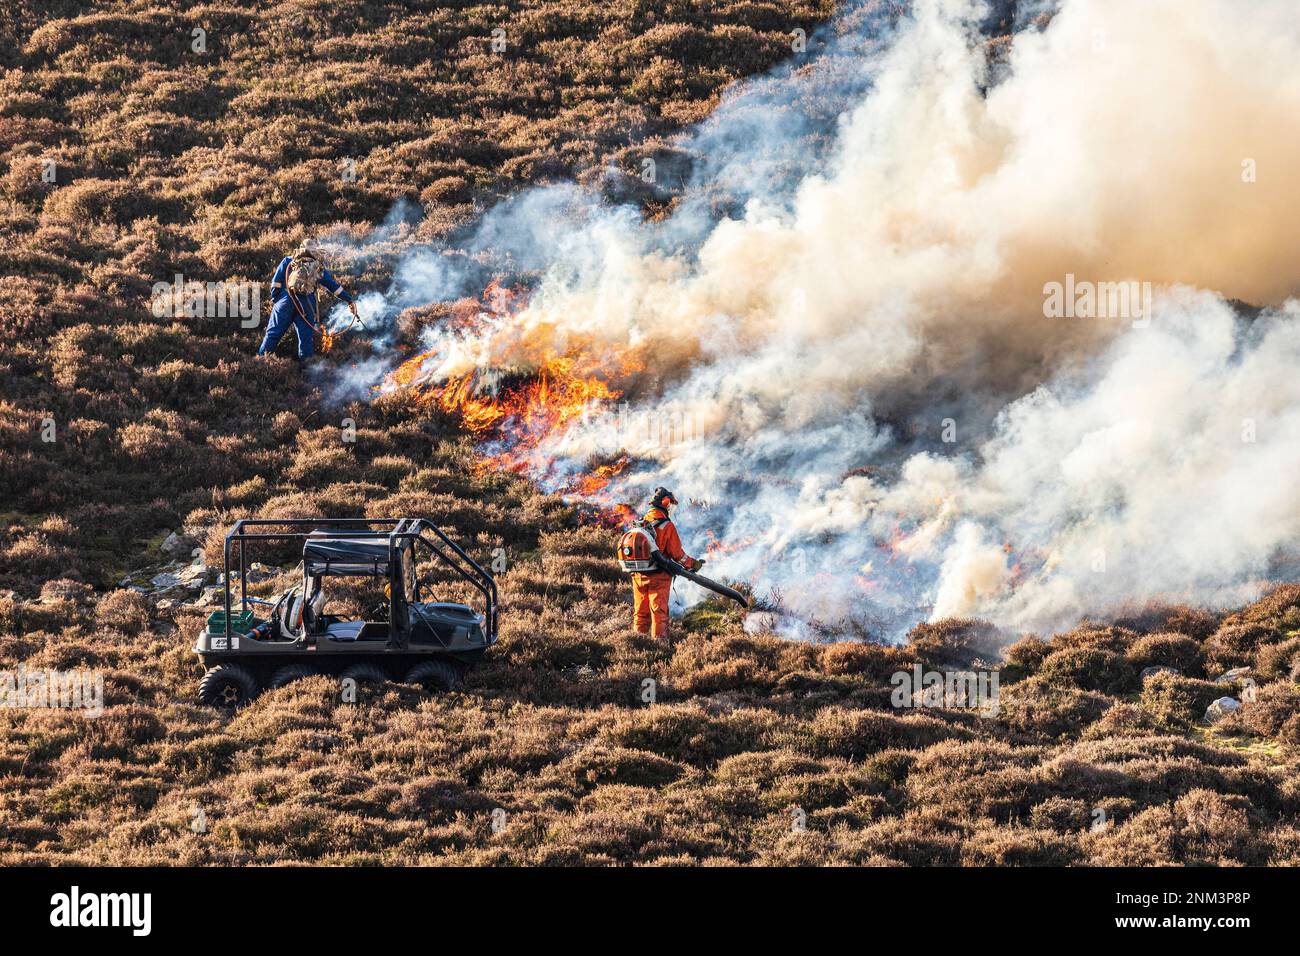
672	567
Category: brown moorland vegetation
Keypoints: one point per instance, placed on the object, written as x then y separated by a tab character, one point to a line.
212	166
746	732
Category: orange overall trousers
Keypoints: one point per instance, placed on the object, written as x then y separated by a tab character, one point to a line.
650	591
650	602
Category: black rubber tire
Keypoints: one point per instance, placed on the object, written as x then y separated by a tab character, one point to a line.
228	686
436	676
364	674
290	673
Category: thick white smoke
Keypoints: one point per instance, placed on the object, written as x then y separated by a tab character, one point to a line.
880	423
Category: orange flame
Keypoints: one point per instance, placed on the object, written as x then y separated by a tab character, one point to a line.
518	418
408	374
593	484
716	547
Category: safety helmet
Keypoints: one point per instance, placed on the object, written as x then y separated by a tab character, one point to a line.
662	498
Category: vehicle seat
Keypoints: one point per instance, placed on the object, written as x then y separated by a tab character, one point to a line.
344	630
311	612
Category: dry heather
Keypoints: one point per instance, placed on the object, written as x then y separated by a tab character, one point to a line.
747	734
213	164
167	162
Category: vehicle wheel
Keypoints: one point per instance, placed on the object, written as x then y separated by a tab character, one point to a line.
227	685
364	674
436	676
290	673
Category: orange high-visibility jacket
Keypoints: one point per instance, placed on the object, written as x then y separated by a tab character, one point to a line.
670	543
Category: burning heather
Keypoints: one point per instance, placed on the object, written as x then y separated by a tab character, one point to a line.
519	414
847	343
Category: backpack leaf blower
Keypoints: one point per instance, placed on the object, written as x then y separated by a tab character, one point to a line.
638	553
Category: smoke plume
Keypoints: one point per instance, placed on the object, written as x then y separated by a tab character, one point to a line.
852	383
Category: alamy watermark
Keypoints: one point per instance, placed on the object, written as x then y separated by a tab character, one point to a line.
973	690
1084	299
641	429
133	911
180	299
52	690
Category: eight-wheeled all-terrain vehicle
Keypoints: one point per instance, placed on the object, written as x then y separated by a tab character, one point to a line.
410	636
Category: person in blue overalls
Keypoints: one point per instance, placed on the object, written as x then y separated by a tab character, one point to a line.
293	300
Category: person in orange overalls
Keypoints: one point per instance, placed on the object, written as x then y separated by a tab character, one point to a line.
650	591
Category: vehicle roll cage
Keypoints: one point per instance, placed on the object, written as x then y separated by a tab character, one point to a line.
401	533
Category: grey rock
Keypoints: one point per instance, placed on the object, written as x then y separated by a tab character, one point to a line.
178	544
1229	677
194	577
257	571
1159	669
1221	708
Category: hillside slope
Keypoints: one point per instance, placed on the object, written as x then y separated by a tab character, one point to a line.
213	164
755	750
